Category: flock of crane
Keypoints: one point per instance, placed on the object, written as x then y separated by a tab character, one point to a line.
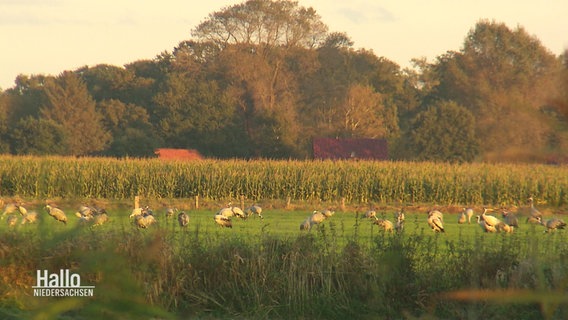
143	217
86	214
435	219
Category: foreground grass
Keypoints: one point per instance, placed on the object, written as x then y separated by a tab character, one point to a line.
267	268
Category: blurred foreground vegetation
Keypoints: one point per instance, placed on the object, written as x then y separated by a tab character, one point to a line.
268	269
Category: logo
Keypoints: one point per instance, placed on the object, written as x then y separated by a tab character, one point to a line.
62	284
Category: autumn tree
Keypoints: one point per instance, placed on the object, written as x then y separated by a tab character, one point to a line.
264	24
258	52
69	104
503	77
352	93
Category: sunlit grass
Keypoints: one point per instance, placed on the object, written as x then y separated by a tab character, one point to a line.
268	268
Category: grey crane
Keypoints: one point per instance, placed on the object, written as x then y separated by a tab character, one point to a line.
226	212
183	219
554	224
144	221
484	226
136	212
30	217
170	212
370	214
238	212
223	221
328	213
85	213
56	213
100	219
510	218
489	219
399	217
306	225
462	218
254	209
436	221
317	217
23	211
9	209
469	213
503	227
384	224
532	210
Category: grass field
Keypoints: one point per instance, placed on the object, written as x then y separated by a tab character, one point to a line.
268	268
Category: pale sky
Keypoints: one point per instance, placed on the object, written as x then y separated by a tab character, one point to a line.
51	36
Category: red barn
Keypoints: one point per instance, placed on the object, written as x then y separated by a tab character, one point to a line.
178	154
336	149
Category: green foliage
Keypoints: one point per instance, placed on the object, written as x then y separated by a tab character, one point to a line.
69	104
38	137
444	132
261	79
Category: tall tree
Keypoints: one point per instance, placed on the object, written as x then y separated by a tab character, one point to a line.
132	133
32	136
504	77
193	113
258	43
445	131
265	23
69	104
362	114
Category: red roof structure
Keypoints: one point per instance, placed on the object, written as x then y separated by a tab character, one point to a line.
336	149
178	154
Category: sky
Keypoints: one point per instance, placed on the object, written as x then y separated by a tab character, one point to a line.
52	36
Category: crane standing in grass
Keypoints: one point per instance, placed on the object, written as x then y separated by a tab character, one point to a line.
399	217
532	210
170	212
384	224
100	219
9	209
510	218
30	217
254	209
223	221
484	226
554	224
56	213
469	214
370	214
489	219
306	225
144	222
436	221
462	218
183	219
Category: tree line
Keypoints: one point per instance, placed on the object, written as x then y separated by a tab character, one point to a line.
262	78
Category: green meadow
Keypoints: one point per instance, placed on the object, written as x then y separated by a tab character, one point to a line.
270	269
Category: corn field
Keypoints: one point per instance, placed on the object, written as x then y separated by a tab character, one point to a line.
361	181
